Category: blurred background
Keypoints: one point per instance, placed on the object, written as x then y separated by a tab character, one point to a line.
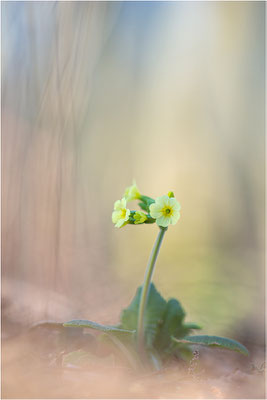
96	94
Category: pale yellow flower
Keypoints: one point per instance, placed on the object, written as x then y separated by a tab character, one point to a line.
165	210
120	214
139	217
132	192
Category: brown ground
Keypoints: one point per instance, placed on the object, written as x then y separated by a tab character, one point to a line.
32	368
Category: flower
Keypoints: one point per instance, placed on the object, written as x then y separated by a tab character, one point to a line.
165	210
132	192
139	217
120	214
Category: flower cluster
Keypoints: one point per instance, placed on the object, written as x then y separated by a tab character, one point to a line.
164	210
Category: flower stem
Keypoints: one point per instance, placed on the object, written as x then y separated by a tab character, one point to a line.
145	289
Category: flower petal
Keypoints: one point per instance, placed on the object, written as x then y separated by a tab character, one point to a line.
123	202
127	214
117	205
115	216
132	192
162	201
175	217
163	221
155	210
174	204
119	223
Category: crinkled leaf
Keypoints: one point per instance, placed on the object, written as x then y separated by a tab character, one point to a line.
79	323
153	314
47	325
171	324
56	336
191	325
217	341
182	351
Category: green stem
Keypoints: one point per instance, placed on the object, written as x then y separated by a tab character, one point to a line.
145	290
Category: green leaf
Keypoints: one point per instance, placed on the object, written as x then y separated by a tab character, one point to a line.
171	325
155	359
153	314
182	351
80	323
191	325
47	325
55	335
217	341
126	349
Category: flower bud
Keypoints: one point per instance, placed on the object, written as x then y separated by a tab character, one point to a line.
139	217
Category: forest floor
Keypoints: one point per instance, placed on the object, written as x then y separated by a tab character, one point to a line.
32	368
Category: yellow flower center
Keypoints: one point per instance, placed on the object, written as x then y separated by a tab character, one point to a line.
123	213
167	211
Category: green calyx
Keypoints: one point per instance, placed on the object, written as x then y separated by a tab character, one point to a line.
145	203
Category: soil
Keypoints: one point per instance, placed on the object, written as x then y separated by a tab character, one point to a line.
32	368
